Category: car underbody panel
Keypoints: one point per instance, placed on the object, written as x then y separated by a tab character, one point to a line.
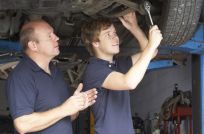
176	18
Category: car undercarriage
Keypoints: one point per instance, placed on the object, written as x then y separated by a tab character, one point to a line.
176	18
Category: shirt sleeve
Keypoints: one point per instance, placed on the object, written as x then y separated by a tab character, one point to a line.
21	95
95	75
124	63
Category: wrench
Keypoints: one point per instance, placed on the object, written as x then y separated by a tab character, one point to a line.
147	7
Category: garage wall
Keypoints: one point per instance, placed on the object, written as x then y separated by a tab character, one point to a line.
156	86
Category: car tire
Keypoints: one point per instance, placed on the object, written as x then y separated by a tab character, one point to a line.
179	20
202	14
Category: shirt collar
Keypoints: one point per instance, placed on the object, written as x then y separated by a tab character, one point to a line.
104	62
33	65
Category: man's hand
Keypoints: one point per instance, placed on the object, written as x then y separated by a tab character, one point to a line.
129	21
155	36
79	101
89	96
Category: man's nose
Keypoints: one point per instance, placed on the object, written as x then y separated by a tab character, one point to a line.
115	37
56	38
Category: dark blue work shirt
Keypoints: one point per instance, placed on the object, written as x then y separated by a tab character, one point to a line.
111	111
30	89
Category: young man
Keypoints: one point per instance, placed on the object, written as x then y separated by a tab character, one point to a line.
38	96
114	77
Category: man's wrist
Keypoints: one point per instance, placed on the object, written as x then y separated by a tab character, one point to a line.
62	112
151	47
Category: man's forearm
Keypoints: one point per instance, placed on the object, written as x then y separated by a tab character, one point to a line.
38	121
140	36
137	71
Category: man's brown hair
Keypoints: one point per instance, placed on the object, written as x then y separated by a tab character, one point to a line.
90	31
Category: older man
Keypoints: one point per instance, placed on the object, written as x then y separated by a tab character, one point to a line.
38	96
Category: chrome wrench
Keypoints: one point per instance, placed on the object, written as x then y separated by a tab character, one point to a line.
147	7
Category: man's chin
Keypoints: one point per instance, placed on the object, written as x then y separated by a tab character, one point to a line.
117	52
55	54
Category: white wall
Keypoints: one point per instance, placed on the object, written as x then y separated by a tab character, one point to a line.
157	85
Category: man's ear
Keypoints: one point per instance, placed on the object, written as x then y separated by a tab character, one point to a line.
95	44
32	45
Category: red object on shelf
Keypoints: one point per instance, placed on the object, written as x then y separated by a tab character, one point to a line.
181	112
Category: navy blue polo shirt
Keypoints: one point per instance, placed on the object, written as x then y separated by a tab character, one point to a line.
30	89
111	111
